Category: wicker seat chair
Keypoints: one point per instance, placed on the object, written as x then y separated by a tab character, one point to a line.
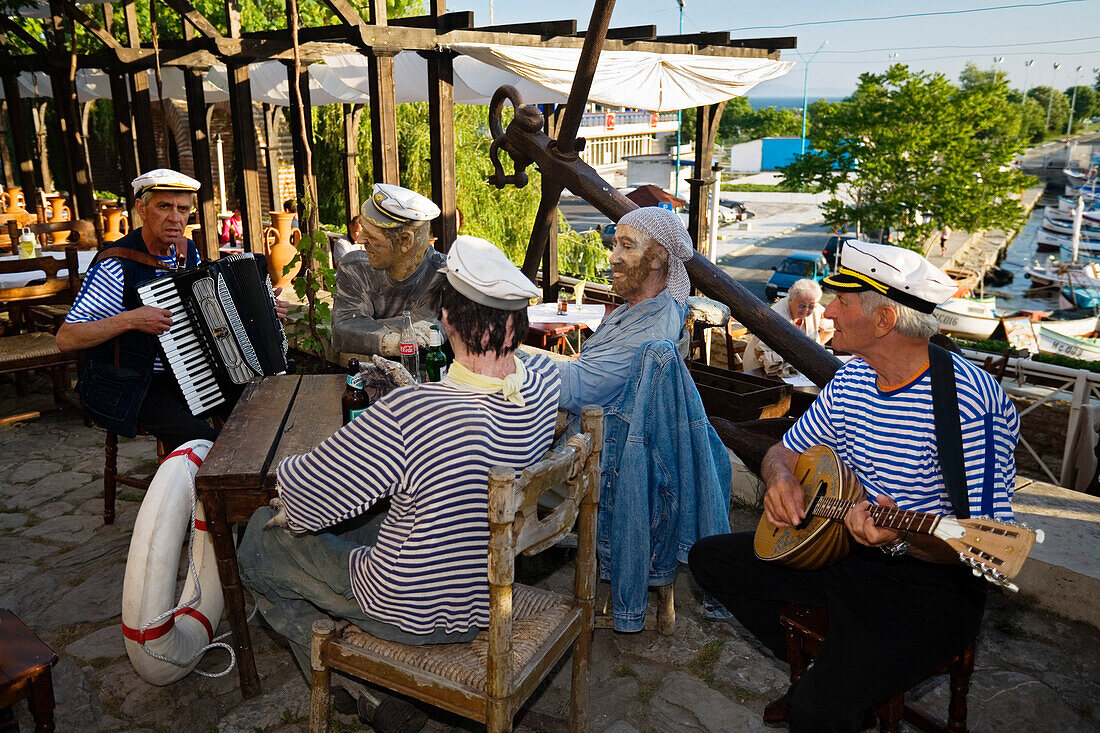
530	629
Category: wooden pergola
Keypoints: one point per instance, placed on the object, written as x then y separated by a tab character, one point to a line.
377	37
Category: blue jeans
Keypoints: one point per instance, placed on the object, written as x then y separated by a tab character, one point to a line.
299	579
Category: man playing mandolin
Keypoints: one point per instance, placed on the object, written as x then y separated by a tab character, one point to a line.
899	604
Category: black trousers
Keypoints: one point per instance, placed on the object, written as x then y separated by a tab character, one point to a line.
891	621
165	414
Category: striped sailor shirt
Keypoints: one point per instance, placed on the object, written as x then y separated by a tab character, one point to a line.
889	438
100	295
429	449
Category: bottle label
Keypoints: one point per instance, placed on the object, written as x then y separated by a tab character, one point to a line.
408	348
442	372
355	413
355	381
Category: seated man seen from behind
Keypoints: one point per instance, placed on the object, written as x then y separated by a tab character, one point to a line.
124	383
802	307
417	573
397	270
899	605
647	263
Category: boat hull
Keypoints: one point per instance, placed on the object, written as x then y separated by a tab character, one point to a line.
1052	342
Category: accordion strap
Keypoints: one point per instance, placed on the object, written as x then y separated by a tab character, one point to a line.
128	254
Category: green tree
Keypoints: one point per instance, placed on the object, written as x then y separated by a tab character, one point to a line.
1052	99
1088	103
911	152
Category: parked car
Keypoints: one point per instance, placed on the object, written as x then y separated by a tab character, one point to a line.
834	247
795	266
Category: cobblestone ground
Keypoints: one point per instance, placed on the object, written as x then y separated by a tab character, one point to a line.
62	573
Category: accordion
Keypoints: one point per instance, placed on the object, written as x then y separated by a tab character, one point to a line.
224	328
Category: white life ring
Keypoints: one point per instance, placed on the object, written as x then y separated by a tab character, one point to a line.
148	592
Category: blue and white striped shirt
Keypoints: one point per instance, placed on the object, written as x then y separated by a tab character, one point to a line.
430	449
889	438
100	295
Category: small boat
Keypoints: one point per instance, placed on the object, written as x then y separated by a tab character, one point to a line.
1076	347
1049	241
1056	272
970	319
1072	326
1086	251
1082	296
1069	203
1091	190
1088	231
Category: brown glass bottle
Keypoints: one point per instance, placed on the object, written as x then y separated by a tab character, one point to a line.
355	398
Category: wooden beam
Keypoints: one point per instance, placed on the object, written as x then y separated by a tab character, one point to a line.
304	178
194	18
17	124
629	33
90	25
200	151
124	137
707	38
141	105
344	11
352	114
441	126
443	23
272	115
248	194
544	29
706	129
771	44
383	109
17	30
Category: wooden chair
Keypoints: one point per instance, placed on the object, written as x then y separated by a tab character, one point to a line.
807	627
530	629
23	352
111	479
81	233
26	673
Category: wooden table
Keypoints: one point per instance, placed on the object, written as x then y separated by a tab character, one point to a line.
275	417
25	673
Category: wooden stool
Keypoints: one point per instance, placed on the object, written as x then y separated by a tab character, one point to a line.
25	674
806	629
111	478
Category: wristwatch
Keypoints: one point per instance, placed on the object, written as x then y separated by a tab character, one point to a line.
898	547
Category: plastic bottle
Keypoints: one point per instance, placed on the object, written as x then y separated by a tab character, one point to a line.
410	355
355	398
435	361
27	244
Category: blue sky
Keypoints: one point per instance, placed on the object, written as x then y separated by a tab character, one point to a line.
942	43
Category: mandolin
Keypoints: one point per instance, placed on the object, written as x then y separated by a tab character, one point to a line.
994	549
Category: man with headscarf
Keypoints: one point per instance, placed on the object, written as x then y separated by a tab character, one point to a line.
650	248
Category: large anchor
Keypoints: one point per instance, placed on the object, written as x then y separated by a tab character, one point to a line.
525	142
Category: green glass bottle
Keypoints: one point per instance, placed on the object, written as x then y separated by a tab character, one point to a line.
435	362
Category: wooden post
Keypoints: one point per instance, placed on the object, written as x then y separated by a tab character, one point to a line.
38	113
244	142
352	115
200	150
501	572
124	137
441	112
142	106
20	135
383	111
706	128
584	581
272	116
5	154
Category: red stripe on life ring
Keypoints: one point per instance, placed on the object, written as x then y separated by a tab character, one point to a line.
156	632
185	452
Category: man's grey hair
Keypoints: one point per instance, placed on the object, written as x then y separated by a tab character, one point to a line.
911	322
805	286
147	196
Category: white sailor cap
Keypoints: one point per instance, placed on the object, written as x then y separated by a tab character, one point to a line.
484	274
393	206
164	179
900	274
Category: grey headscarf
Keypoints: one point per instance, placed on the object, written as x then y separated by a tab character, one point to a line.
664	226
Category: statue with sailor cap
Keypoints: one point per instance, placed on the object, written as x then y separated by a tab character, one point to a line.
397	270
899	605
428	449
124	383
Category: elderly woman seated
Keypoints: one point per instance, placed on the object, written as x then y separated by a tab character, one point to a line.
802	307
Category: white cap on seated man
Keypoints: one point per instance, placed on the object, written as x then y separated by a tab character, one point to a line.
647	264
397	270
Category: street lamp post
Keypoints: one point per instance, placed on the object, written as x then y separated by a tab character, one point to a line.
679	118
1050	97
805	83
1073	104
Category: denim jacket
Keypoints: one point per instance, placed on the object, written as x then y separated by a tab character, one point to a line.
665	484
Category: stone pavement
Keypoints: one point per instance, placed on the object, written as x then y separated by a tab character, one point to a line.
62	574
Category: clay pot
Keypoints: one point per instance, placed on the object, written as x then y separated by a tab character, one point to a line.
115	223
12	200
280	246
59	211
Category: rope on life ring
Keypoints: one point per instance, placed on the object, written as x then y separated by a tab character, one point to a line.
172	639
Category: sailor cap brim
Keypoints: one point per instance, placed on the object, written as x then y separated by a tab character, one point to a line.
901	275
482	273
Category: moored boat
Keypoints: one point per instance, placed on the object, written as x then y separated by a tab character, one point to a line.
1088	230
970	319
1076	347
1057	272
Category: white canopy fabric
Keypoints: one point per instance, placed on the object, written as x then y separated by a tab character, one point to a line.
650	81
629	79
